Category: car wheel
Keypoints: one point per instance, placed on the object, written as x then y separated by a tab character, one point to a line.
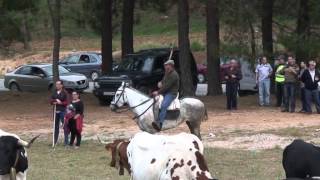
14	87
94	75
201	78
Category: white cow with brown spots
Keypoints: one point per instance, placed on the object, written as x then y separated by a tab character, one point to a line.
164	157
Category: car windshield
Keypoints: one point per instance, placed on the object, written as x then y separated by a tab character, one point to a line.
48	70
136	63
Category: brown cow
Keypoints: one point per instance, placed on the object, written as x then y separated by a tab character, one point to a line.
119	158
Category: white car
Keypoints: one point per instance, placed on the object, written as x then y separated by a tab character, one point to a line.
38	77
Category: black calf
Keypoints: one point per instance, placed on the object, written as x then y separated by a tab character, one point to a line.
301	160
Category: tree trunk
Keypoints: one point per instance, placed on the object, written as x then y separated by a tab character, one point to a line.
24	32
213	52
106	43
252	40
187	88
267	41
54	8
127	27
303	30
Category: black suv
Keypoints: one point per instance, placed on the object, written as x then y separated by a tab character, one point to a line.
143	70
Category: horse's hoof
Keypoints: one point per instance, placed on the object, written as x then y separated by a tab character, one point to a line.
155	126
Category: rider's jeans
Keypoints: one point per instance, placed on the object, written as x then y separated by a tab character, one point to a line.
167	100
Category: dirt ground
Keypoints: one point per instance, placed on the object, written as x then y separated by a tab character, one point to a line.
29	113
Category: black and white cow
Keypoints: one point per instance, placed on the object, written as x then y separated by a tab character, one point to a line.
301	160
13	156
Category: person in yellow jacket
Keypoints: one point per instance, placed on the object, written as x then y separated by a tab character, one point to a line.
279	81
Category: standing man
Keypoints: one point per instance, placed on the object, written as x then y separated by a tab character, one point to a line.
169	88
60	99
310	78
303	67
290	72
279	80
232	75
263	74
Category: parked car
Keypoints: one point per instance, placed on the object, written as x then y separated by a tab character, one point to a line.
143	70
87	63
247	83
38	77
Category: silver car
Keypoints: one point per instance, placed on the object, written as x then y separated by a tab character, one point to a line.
87	63
38	77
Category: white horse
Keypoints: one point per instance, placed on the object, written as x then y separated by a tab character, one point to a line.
146	110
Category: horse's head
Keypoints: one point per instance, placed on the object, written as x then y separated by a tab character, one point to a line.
120	98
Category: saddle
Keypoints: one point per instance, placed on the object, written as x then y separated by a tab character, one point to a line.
175	105
173	111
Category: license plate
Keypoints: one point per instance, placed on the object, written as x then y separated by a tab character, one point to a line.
109	93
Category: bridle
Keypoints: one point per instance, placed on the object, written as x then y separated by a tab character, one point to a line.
121	95
133	107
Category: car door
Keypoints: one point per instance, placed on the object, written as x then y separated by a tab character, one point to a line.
39	80
23	78
95	63
83	64
71	63
91	65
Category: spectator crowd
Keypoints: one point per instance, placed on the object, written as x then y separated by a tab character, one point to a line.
291	80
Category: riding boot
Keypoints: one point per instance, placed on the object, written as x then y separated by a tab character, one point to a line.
157	126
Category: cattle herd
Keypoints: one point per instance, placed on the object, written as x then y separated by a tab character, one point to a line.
160	157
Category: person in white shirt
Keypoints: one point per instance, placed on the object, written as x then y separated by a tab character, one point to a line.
263	74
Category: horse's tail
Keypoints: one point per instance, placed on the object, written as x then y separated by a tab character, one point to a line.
205	115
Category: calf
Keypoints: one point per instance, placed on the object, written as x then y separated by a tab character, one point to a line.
163	157
119	158
301	160
13	156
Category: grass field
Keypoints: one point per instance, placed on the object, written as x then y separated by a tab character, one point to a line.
91	162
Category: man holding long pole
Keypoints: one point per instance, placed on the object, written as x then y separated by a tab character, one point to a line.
60	100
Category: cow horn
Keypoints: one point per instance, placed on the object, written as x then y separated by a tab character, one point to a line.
102	142
27	144
13	174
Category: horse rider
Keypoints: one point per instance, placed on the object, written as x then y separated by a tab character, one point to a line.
169	88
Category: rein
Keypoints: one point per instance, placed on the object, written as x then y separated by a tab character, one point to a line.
130	108
121	95
137	116
133	107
